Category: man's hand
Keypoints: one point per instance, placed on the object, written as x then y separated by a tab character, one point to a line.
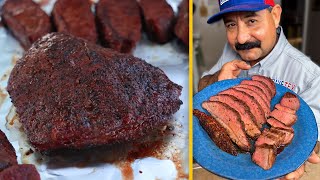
297	174
232	69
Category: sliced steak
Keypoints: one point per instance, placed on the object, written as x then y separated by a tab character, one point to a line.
257	90
261	85
284	117
72	94
158	19
271	137
216	132
255	107
181	29
268	81
7	153
288	135
76	18
291	101
119	24
264	156
285	109
230	120
20	172
277	124
264	105
26	20
250	126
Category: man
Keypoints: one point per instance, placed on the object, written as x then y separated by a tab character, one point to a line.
257	45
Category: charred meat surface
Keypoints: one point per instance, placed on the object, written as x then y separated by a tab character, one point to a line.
7	153
230	120
26	20
158	20
181	29
20	172
76	18
119	24
72	94
249	122
216	132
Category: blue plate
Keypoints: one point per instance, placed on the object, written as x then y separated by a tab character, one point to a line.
210	157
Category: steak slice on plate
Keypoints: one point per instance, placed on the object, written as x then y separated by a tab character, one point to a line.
285	109
277	124
72	94
250	126
255	107
284	117
290	100
230	120
264	156
216	132
76	18
268	81
257	90
261	85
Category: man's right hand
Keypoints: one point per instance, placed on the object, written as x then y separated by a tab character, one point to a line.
232	69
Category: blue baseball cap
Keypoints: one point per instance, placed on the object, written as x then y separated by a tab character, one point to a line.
228	6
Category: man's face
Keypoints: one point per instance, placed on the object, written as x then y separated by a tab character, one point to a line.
251	34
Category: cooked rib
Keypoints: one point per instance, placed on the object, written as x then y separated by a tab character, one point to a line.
216	132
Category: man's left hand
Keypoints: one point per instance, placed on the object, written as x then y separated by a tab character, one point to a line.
297	174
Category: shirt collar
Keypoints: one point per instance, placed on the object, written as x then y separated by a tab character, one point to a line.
276	51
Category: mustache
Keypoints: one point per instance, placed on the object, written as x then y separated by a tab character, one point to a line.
248	45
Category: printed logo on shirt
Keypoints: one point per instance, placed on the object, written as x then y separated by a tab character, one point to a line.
286	84
223	1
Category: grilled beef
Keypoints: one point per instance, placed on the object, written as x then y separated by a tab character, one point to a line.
254	106
284	117
271	138
285	109
216	132
20	172
261	85
277	124
158	19
7	153
288	135
76	18
119	24
230	120
264	156
269	82
181	29
264	105
72	94
291	101
257	90
26	21
250	126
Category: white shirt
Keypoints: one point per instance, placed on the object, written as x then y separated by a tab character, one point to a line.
287	66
